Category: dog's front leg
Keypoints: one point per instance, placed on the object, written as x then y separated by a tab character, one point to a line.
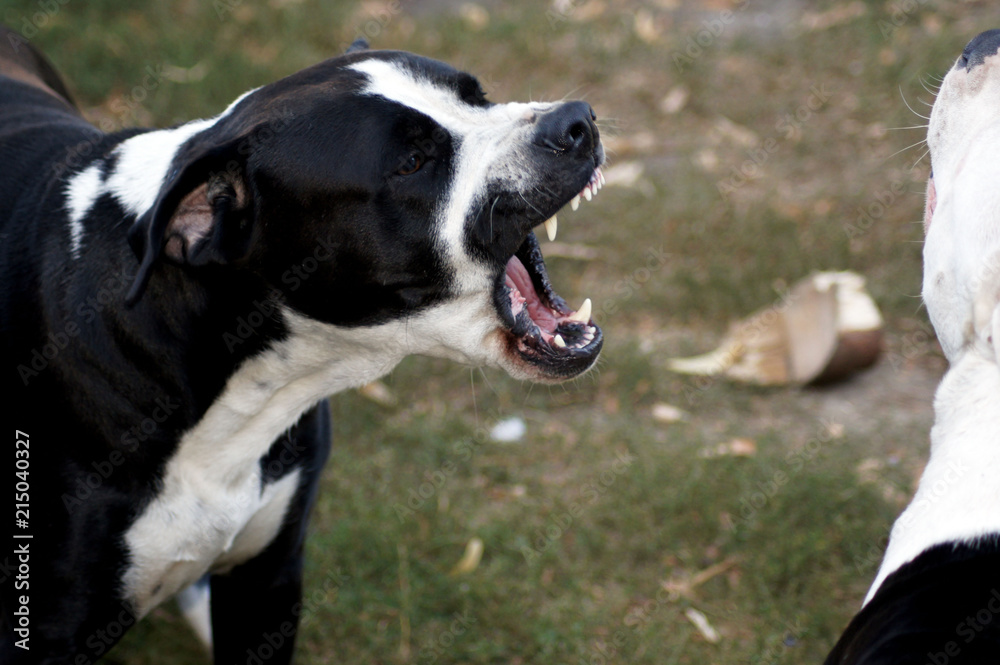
256	607
255	611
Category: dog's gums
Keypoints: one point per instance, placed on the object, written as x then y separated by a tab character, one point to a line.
546	329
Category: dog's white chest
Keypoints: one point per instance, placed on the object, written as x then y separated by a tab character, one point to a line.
201	522
212	512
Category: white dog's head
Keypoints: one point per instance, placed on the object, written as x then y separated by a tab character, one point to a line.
962	215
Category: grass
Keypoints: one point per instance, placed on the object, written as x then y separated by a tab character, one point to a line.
579	552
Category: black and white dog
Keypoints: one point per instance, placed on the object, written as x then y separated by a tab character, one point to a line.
936	599
176	305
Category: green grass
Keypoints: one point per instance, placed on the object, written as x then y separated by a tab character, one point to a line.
796	528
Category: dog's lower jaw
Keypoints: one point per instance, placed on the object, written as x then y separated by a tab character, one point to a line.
957	499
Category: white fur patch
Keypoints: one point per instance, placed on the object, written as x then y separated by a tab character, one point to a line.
489	142
143	161
958	499
962	247
211	513
82	191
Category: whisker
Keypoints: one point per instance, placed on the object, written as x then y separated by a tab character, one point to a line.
926	87
910	107
486	380
914	145
926	152
529	202
495	201
572	92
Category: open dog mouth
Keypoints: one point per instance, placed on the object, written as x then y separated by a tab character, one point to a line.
543	329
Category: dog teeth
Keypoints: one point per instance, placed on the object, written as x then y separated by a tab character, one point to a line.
582	315
558	340
551	226
589	190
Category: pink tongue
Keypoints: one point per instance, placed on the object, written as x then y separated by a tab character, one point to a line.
519	280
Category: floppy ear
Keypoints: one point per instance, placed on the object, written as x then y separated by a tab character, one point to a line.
359	44
202	214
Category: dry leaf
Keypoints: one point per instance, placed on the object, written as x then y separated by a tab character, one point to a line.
700	622
470	559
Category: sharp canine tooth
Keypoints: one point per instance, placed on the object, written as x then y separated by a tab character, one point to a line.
575	203
559	341
551	225
587	194
582	315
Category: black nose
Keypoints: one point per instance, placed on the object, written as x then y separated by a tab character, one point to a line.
569	128
981	47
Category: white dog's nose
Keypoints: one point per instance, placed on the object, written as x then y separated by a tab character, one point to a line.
981	47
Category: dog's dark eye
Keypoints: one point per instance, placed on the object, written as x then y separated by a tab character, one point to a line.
411	164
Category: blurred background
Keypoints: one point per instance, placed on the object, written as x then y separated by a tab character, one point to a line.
633	516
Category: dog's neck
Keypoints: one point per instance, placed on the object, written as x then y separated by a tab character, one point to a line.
270	391
958	499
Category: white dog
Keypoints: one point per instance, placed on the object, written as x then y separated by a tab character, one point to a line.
936	599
